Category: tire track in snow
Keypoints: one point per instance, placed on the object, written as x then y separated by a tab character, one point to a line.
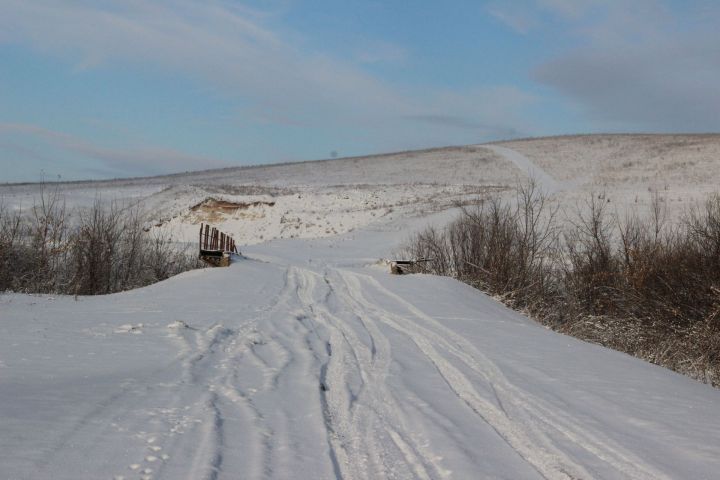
548	463
270	358
334	398
208	459
521	419
367	431
211	362
201	391
417	455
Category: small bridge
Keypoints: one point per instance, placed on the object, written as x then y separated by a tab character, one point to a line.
216	246
401	267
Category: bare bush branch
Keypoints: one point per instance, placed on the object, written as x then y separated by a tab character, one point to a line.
632	284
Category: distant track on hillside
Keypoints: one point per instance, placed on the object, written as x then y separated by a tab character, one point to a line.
544	179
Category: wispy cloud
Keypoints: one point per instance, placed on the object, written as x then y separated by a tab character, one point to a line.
226	45
483	129
213	41
110	161
489	112
575	9
517	16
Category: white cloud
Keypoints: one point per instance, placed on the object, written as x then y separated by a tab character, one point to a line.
640	65
666	86
517	16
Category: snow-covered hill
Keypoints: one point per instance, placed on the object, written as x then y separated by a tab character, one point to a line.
325	198
628	169
308	360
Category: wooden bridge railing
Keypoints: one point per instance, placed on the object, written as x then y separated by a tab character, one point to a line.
213	240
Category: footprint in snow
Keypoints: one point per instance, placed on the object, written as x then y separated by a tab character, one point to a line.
129	328
179	325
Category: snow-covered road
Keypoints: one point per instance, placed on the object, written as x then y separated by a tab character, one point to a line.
305	361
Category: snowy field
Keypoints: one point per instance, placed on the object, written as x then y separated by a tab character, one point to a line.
307	360
628	169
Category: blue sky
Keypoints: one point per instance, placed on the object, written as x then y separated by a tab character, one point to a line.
106	88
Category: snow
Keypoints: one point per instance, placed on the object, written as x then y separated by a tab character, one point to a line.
306	359
628	169
528	167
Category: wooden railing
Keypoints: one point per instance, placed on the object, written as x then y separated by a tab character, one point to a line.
213	240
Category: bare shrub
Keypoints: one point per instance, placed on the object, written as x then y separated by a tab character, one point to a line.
502	248
101	250
591	270
33	245
12	231
113	252
162	258
95	245
633	284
